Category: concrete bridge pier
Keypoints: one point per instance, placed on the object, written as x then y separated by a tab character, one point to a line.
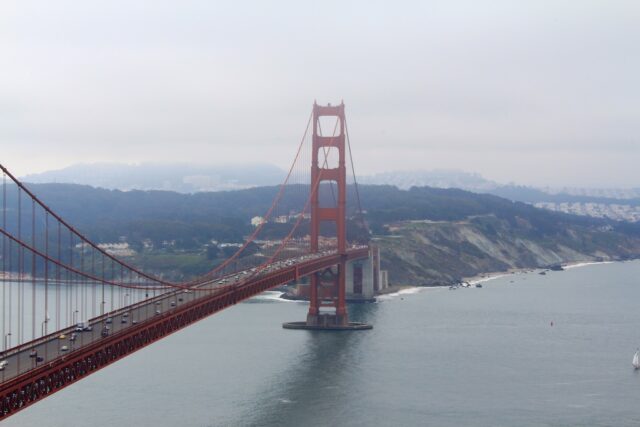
363	279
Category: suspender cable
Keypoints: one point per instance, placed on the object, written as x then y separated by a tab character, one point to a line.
113	279
83	288
33	271
5	280
102	302
46	274
7	337
59	255
93	285
70	287
20	270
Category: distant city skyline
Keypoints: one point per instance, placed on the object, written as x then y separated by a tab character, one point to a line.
540	93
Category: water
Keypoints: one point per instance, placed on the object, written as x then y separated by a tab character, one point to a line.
473	357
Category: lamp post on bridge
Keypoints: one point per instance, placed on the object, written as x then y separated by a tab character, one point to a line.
44	331
7	338
45	322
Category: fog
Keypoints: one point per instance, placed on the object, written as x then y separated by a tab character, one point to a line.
533	92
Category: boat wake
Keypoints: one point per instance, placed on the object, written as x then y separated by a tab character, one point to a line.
407	291
271	296
584	264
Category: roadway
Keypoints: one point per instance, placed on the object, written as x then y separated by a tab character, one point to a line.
59	345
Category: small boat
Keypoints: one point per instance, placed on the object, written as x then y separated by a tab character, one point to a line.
478	285
636	361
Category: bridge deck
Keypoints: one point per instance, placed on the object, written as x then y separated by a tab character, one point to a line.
25	380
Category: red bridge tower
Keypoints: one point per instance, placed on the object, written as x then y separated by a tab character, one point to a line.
321	171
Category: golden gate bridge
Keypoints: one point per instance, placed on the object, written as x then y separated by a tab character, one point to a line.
70	307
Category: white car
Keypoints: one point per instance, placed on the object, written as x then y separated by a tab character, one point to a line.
3	365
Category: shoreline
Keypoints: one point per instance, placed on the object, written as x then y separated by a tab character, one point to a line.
486	277
399	290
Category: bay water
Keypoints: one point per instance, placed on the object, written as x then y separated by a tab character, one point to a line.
523	350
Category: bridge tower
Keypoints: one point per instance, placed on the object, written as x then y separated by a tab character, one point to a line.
321	172
333	278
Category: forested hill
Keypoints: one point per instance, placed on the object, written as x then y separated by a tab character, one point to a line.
107	214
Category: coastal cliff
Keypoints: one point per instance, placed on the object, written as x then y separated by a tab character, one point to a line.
432	253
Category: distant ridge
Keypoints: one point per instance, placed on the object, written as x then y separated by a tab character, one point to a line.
179	177
435	178
621	204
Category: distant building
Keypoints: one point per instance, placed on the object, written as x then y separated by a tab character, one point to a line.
282	219
230	245
256	221
117	249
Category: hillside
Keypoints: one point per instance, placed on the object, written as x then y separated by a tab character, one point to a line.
454	233
437	253
108	214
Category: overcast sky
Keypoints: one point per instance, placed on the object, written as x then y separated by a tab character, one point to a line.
534	92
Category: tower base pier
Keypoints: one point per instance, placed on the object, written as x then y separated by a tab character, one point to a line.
327	322
327	325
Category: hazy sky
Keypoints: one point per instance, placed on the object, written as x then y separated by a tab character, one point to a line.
535	92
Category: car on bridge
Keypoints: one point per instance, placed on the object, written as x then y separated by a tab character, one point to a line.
83	326
3	364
